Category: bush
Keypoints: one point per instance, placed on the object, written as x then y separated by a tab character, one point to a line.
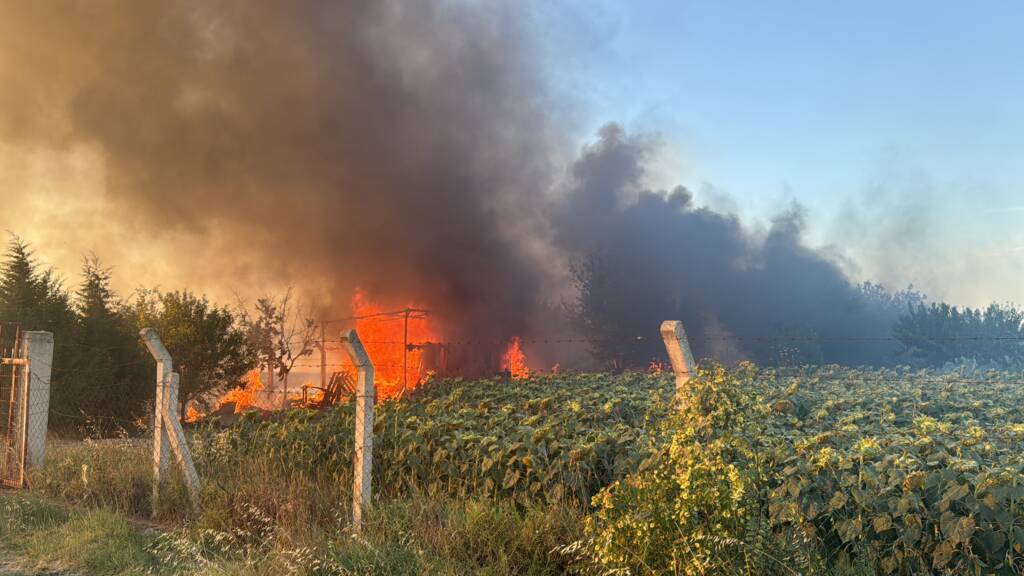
699	505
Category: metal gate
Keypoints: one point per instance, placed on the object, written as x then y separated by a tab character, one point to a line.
13	407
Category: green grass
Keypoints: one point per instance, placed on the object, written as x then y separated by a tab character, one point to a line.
409	536
49	539
114	474
100	541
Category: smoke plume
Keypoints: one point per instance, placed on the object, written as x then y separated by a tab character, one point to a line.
654	255
406	148
394	146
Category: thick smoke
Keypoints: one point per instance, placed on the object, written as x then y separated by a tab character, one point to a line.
653	255
394	146
406	148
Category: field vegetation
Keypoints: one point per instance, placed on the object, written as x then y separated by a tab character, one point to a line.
827	470
752	471
487	476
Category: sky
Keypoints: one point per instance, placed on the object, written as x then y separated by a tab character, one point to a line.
896	125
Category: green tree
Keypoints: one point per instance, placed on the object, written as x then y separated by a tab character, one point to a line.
937	333
34	299
208	349
619	315
112	375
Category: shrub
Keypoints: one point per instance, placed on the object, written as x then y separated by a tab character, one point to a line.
699	505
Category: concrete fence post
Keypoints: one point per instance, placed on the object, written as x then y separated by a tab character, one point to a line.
37	348
362	472
178	444
679	354
168	435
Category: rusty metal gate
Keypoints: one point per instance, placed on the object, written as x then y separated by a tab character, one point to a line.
13	408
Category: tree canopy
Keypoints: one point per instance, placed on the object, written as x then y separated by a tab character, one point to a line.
209	349
102	376
936	333
33	298
111	375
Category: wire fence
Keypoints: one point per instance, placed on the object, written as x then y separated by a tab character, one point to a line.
334	361
364	395
25	366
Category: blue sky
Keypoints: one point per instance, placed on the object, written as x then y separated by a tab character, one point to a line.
898	125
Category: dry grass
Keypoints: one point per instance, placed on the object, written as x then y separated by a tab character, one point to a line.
114	474
257	519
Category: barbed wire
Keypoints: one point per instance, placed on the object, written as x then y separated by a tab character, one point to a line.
715	337
808	378
416	366
333	343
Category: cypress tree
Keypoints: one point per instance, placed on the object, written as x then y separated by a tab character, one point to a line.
111	374
35	299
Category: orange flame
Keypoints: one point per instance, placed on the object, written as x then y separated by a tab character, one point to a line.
246	395
514	361
392	340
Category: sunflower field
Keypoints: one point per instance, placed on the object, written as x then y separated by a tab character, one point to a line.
818	470
540	439
827	470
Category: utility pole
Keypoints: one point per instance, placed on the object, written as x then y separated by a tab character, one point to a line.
405	353
407	314
323	358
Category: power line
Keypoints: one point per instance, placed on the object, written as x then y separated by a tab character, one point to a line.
422	313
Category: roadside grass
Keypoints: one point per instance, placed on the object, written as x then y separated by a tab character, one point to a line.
465	537
407	536
46	535
114	474
85	505
99	541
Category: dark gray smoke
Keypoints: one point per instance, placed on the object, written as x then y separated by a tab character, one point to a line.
647	255
394	146
402	147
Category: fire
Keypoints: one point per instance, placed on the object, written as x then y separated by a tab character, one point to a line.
404	345
393	341
246	395
514	361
